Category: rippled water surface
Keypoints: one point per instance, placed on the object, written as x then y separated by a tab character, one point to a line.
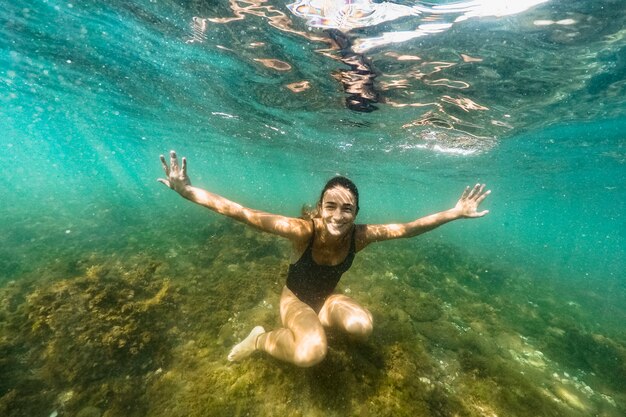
117	297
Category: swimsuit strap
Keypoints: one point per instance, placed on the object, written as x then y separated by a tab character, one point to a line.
353	243
310	246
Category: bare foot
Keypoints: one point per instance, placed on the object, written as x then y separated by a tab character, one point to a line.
245	348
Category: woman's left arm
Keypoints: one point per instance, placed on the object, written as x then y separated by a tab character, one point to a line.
466	207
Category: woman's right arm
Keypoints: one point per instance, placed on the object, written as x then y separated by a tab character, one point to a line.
292	228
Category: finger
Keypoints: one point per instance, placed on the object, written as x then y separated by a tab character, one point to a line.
166	182
482	213
465	193
173	161
482	197
479	191
184	166
165	167
472	193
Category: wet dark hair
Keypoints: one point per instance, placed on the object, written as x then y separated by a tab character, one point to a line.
309	212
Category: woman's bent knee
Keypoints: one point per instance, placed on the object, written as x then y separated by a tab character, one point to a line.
360	325
310	351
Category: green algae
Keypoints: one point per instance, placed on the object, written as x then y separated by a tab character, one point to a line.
149	335
88	338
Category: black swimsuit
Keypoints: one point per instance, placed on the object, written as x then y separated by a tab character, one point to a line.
311	282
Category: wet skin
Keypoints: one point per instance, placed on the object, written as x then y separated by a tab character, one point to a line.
302	340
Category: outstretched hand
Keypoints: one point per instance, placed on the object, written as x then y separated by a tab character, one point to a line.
177	178
467	206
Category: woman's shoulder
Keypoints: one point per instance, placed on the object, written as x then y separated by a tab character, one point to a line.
303	237
304	229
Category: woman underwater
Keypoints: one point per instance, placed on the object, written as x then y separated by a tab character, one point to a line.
323	248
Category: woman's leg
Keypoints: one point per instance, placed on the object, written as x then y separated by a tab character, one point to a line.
343	312
301	341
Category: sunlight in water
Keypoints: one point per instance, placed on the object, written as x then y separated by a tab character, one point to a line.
356	33
347	15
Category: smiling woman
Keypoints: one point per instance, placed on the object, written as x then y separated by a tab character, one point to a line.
323	248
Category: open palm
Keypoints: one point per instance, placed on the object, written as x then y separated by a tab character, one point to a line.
467	206
177	178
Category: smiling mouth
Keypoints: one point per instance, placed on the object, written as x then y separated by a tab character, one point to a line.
338	226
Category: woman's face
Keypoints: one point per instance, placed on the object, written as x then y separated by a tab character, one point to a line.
338	210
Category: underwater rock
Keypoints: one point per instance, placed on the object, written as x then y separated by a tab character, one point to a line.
571	399
425	308
89	411
591	352
226	336
113	322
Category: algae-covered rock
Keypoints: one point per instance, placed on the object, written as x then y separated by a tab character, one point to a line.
594	353
89	411
114	323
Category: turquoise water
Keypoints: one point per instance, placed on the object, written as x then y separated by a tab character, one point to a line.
530	101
